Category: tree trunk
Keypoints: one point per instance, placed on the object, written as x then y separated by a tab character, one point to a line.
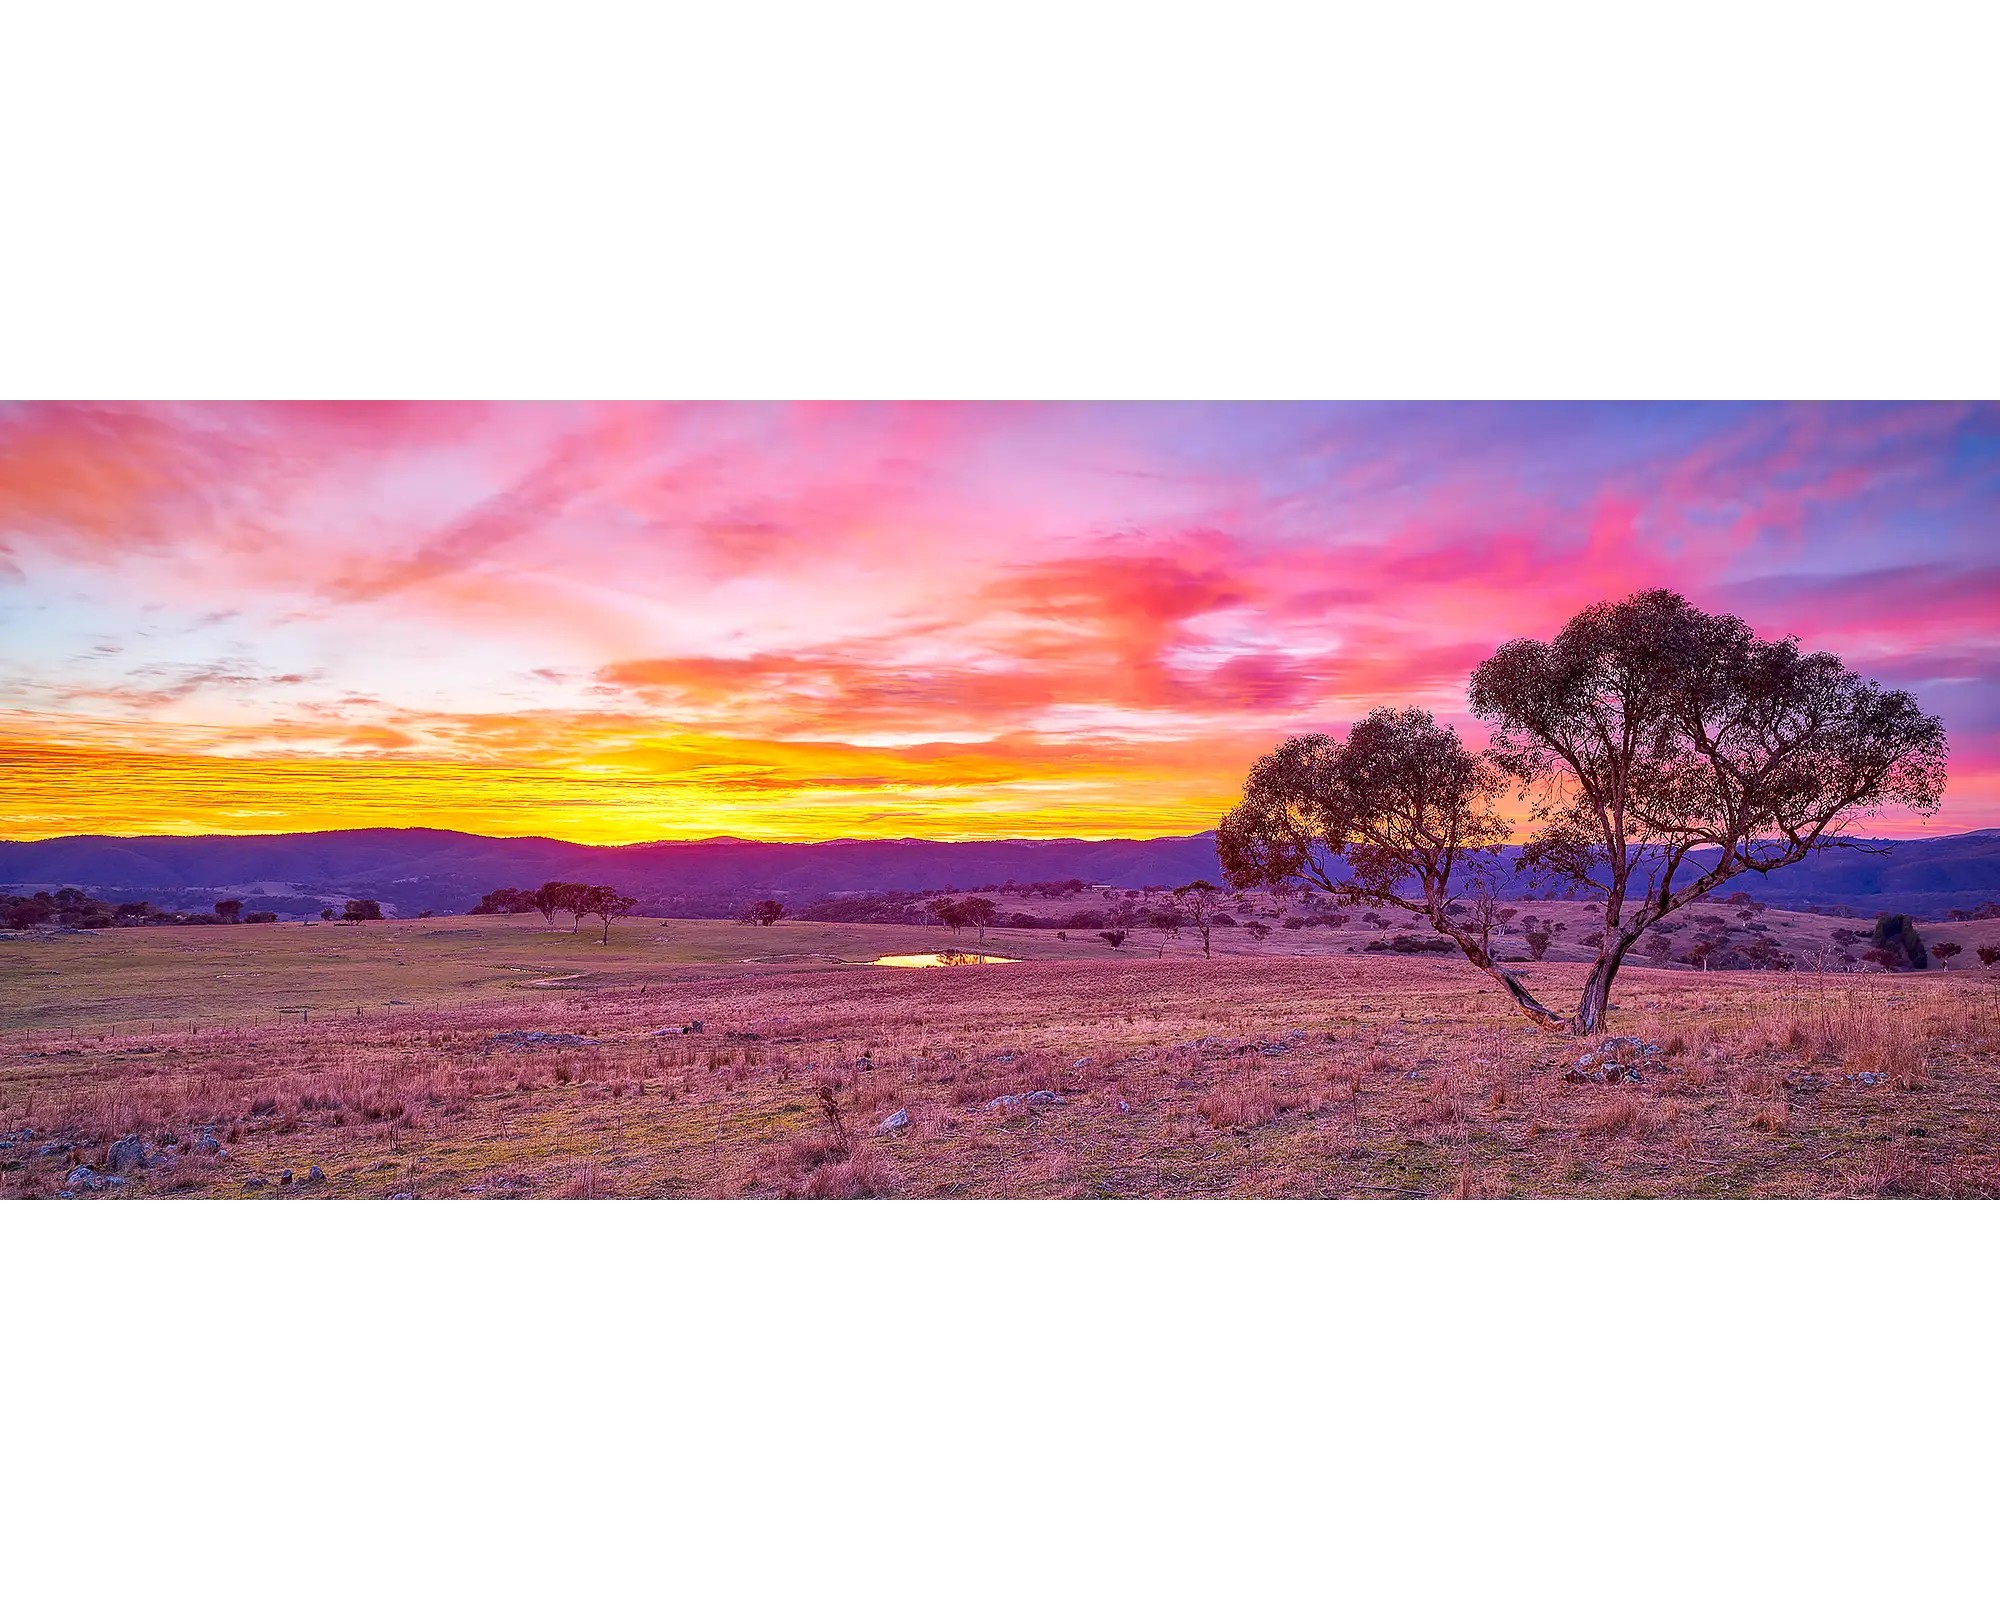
1537	1013
1596	1001
1533	1009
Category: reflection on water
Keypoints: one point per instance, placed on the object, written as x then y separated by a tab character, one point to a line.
941	958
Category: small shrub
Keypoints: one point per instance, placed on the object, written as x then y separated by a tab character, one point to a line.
1245	1103
864	1175
1621	1115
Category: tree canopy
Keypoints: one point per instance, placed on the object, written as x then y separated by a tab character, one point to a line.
606	904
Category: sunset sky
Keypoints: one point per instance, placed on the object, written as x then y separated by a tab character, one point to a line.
623	622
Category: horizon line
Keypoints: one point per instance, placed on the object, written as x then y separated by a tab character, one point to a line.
725	838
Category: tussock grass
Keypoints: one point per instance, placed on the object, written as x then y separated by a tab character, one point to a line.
1233	1077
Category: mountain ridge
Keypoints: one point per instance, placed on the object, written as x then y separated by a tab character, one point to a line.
446	870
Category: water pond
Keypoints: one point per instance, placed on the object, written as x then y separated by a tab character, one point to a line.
944	958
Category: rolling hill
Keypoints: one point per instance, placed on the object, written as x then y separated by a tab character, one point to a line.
413	869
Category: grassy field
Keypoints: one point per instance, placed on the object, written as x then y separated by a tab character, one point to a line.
1379	1076
129	979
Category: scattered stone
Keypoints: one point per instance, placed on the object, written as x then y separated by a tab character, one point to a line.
895	1120
1037	1097
1275	1049
529	1039
81	1177
405	1195
208	1145
114	1182
1869	1078
1122	1106
253	1182
1078	1066
127	1152
285	1178
314	1175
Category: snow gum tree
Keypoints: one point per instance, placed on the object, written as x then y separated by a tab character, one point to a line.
1661	751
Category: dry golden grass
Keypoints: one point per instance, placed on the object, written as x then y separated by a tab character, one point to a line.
1323	1077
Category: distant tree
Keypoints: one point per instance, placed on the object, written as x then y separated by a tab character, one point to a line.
979	912
362	911
1538	942
326	913
28	911
1988	954
1257	930
1895	931
607	905
949	912
1167	921
504	903
1944	950
1112	936
136	908
260	916
1887	958
1202	902
229	910
555	899
762	912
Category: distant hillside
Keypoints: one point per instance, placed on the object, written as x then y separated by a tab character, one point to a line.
419	868
414	869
